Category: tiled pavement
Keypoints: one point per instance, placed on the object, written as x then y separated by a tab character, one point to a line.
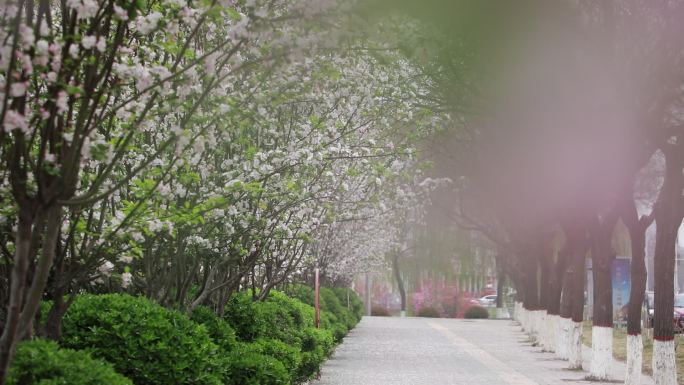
423	351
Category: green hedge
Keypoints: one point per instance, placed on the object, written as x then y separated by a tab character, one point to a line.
44	362
268	319
475	312
247	366
355	302
219	330
144	341
335	315
428	312
268	342
289	356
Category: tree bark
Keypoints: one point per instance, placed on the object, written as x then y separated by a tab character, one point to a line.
10	331
400	282
669	210
637	234
602	257
575	275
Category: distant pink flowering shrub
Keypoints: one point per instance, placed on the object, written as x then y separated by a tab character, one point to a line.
441	297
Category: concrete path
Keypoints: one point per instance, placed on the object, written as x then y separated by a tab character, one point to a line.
423	351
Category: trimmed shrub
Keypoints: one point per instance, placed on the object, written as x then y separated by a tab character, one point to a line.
144	341
246	366
219	330
317	345
243	315
379	311
289	356
330	302
301	313
44	362
474	312
270	319
355	302
428	312
301	292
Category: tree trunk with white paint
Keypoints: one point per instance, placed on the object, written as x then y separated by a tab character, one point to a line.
575	346
563	338
669	210
637	234
575	276
565	317
635	358
664	364
602	352
602	256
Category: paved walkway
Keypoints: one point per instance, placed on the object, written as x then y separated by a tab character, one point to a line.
423	351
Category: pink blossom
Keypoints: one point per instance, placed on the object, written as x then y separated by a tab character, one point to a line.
101	44
18	90
88	42
61	102
120	13
73	51
28	38
15	120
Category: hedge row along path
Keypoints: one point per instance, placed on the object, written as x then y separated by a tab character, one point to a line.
424	351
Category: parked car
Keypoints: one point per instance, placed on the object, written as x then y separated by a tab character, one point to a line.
488	300
649	306
678	311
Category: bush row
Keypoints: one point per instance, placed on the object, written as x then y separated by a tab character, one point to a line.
121	339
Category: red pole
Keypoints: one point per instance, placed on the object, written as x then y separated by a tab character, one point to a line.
317	304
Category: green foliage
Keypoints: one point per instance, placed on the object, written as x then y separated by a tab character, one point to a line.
247	366
428	312
45	363
316	346
282	327
302	313
242	314
330	303
301	292
220	331
474	312
335	315
289	356
355	302
269	319
144	341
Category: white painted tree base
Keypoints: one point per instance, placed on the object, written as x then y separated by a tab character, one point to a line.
403	313
536	323
543	329
601	352
575	345
552	332
502	313
564	325
635	358
517	308
664	367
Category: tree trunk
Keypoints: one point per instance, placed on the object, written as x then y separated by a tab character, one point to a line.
668	217
8	340
531	301
602	329
400	282
500	283
576	238
544	287
553	300
565	323
637	234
